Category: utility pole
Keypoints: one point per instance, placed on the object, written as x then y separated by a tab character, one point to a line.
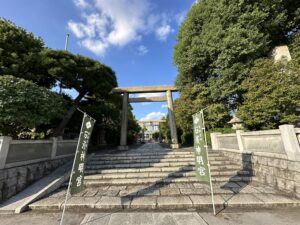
66	49
67	42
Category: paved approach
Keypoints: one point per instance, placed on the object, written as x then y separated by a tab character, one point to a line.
154	178
274	217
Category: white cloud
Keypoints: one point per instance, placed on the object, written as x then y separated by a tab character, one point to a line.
142	50
180	17
153	116
117	23
81	3
149	95
164	106
96	46
163	32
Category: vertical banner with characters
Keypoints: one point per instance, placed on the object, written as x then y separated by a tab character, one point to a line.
202	166
77	172
80	157
201	159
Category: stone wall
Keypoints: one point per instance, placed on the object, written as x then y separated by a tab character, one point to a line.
24	161
275	171
273	156
15	179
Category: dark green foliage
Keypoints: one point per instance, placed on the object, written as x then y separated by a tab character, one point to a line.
155	135
272	95
85	75
20	54
133	127
192	100
295	46
25	105
217	46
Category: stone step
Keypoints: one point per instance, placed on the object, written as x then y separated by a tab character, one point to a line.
95	169
98	165
184	202
168	180
154	153
150	160
117	157
161	174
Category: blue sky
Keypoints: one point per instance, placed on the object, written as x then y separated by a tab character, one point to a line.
134	37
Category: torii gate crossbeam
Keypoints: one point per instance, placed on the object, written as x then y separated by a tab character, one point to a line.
147	89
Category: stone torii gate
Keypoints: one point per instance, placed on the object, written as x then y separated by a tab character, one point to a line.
142	90
153	123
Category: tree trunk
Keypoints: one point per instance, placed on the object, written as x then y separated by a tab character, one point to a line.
59	130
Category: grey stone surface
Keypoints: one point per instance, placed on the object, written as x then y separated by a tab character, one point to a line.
47	204
169	191
283	216
147	202
171	186
107	202
174	202
36	191
81	202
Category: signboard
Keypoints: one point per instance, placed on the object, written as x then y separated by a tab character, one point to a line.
77	177
201	159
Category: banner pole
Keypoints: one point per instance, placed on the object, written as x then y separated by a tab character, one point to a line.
71	175
210	182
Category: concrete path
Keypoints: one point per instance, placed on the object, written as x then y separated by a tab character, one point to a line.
148	147
151	177
270	217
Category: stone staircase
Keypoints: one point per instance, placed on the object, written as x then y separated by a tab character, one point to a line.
157	167
164	179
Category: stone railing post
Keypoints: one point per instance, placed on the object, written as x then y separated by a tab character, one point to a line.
240	140
4	147
290	142
214	140
54	147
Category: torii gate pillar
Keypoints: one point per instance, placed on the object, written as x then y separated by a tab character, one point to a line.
124	123
173	130
146	89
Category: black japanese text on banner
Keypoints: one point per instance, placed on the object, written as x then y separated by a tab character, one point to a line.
201	159
80	156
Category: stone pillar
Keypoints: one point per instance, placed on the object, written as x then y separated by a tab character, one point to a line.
240	140
54	147
174	138
143	133
214	141
159	130
4	147
290	142
124	123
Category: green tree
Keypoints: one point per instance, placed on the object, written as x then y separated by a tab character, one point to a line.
20	54
24	105
88	77
294	46
165	129
192	100
220	39
155	135
133	127
272	95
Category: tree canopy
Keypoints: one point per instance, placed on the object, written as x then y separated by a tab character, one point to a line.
85	75
272	95
217	46
220	40
20	54
25	105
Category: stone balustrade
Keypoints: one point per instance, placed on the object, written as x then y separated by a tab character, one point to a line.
25	161
274	155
